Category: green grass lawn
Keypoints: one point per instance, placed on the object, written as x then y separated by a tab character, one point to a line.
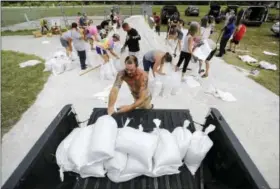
20	86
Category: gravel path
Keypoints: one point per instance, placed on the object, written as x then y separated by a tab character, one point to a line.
254	118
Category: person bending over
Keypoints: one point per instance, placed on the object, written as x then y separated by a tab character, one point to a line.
92	34
155	59
107	44
137	81
237	36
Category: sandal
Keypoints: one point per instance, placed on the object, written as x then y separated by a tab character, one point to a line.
204	76
200	71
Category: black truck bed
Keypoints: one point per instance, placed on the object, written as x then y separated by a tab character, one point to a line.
226	166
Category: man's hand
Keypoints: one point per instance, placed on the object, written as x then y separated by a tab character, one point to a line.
122	49
125	108
110	110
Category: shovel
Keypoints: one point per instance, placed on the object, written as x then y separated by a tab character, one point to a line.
91	69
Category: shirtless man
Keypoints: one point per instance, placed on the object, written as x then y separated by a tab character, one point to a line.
137	80
155	59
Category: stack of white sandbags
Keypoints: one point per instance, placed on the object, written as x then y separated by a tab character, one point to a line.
59	63
127	153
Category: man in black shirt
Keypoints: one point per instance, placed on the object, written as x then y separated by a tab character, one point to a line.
132	40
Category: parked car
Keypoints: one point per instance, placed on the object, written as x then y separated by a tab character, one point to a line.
254	15
192	11
215	10
167	11
275	28
227	164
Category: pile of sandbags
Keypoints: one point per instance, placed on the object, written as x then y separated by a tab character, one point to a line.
59	63
125	153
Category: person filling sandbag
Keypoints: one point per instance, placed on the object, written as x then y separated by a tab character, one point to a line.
92	34
138	144
105	45
132	40
199	146
167	158
66	40
155	60
103	138
137	81
187	49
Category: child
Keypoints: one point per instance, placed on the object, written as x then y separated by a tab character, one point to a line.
92	34
237	36
186	52
107	44
157	22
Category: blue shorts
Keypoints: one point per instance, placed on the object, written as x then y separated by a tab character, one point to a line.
147	65
100	51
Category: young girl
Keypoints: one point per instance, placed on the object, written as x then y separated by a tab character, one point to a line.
187	49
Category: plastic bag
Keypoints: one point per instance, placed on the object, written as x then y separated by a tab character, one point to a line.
93	170
61	154
108	71
199	146
156	87
183	138
103	138
138	144
78	152
171	84
167	155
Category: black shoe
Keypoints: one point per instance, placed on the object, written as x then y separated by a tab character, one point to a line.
228	49
218	55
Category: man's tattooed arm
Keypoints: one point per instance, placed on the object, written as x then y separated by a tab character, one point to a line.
115	90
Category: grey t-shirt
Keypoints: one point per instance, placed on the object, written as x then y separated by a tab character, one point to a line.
78	42
149	56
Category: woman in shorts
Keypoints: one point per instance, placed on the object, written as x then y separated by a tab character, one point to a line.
155	60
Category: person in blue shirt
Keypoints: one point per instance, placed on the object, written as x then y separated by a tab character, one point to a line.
228	31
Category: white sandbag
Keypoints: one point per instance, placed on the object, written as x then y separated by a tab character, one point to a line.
191	81
61	154
199	146
171	84
58	67
247	58
167	158
93	170
118	65
117	163
29	63
156	87
60	54
203	51
48	64
78	152
108	71
67	62
138	144
183	137
103	138
267	65
117	177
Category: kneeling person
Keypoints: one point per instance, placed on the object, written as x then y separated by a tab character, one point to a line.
137	80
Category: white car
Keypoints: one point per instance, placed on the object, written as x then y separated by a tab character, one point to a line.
275	28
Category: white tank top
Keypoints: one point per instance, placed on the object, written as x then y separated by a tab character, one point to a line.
185	47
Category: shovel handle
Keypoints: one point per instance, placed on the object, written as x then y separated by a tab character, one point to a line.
91	69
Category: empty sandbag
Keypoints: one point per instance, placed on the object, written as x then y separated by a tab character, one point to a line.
61	154
167	155
199	146
183	138
138	144
103	138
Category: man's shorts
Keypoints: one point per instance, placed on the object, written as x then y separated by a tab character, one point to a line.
147	65
64	42
236	42
100	51
212	53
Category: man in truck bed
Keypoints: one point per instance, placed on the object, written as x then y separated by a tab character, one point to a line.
137	80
